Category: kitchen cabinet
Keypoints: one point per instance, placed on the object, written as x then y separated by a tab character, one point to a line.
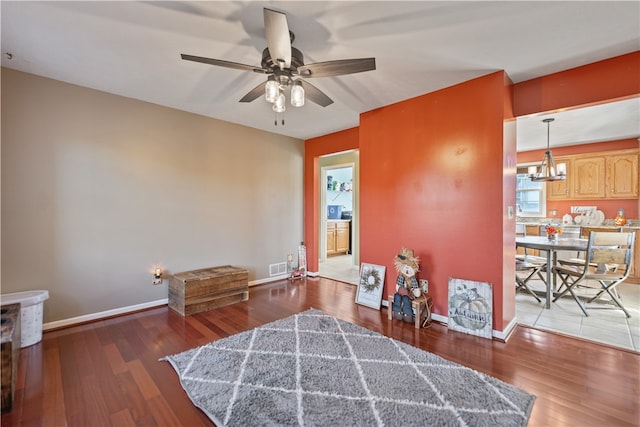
622	176
338	237
585	179
559	190
607	175
588	177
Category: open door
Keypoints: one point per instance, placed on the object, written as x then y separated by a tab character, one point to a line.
337	229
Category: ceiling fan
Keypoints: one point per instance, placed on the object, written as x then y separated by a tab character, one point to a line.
284	65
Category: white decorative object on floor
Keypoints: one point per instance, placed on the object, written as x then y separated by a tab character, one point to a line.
31	303
370	285
471	307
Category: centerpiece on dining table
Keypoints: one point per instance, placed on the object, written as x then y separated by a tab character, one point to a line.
553	231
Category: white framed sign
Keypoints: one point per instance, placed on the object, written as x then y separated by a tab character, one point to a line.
471	307
370	285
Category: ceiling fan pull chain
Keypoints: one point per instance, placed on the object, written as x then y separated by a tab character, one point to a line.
275	120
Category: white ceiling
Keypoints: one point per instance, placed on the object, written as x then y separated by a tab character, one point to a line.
133	49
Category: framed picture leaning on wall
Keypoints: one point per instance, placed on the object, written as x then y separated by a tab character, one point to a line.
370	285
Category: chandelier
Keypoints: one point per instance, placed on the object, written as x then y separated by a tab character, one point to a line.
547	171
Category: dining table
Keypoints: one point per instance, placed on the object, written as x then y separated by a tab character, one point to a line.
551	248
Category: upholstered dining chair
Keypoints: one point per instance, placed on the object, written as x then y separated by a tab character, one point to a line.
607	262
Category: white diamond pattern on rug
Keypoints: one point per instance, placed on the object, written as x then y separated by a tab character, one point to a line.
313	369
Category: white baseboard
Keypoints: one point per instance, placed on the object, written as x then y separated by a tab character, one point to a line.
103	314
268	279
280	277
501	335
129	309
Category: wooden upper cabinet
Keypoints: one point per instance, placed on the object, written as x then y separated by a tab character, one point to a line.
560	190
622	176
588	178
605	175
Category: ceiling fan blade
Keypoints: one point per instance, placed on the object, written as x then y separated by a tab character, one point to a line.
254	93
337	68
314	94
277	35
222	63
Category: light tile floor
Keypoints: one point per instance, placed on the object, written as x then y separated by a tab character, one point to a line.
610	327
340	267
606	326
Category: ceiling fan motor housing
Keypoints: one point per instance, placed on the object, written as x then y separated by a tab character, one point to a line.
297	60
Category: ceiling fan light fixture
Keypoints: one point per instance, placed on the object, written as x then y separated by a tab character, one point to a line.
279	105
284	67
271	90
547	171
297	95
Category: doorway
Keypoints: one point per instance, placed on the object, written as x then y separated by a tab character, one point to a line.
337	254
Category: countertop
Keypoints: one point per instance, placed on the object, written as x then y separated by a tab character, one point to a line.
631	224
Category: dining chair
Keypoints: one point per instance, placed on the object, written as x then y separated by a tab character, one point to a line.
521	230
522	282
532	265
585	232
607	261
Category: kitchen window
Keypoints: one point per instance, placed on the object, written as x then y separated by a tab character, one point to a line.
531	196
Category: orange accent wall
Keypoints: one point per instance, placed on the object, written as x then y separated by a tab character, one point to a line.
431	174
437	174
313	149
613	78
609	207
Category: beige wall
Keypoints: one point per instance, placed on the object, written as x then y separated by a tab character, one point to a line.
98	189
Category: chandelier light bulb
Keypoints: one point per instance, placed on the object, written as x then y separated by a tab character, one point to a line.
562	169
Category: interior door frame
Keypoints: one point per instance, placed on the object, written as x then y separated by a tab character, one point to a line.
322	238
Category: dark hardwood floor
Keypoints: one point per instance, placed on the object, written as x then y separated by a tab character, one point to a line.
108	373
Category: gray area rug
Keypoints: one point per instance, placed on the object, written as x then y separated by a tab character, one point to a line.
311	369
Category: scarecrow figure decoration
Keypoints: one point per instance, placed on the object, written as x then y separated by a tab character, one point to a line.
407	286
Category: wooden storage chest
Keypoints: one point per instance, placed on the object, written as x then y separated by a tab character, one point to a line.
201	290
10	350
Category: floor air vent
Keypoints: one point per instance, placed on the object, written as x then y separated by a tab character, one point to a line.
277	269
